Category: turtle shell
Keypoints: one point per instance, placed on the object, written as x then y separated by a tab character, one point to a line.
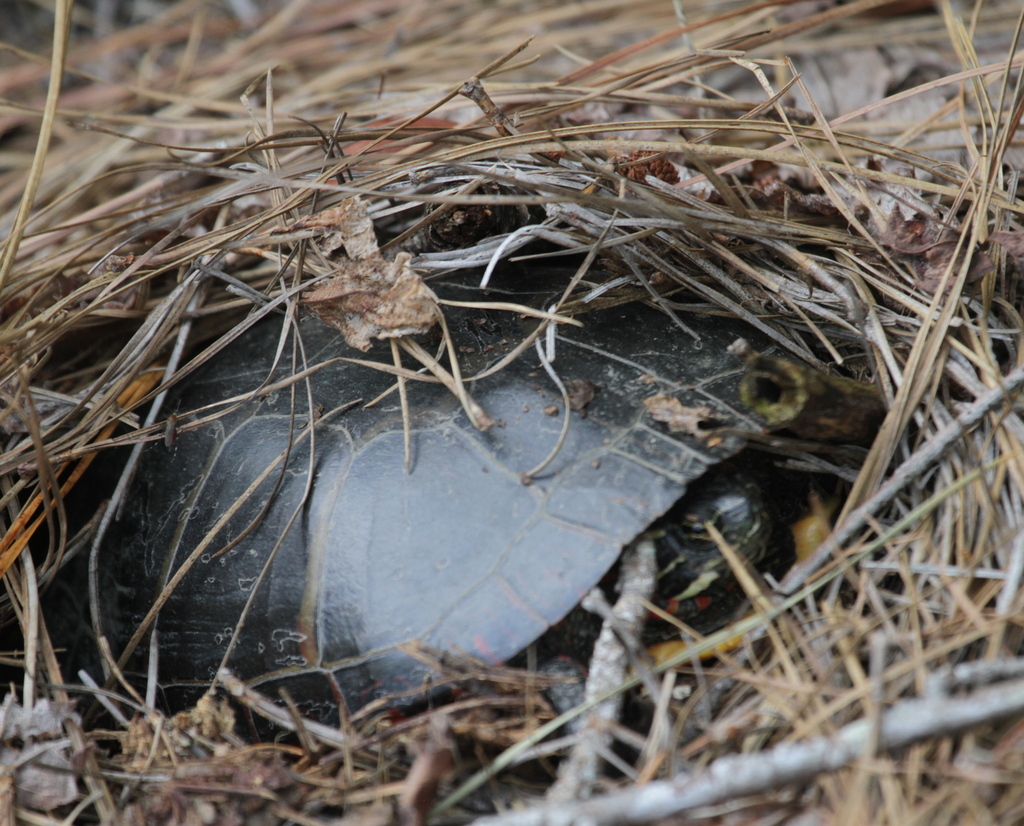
304	556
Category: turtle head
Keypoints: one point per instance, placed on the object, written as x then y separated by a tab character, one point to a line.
689	559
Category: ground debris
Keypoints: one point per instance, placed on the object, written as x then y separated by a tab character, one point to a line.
152	737
695	421
245	788
368	297
929	248
435	756
1013	242
35	753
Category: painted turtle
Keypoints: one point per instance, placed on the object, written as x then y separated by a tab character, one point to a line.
307	555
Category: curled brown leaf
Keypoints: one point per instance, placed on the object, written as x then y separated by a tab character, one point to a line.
373	298
368	297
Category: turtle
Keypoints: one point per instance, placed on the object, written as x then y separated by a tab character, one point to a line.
288	540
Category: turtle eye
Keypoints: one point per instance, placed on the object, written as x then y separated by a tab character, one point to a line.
694	530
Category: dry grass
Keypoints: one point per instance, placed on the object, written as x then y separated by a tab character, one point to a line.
190	144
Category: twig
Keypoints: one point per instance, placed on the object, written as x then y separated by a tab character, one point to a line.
729	778
263	706
608	665
474	90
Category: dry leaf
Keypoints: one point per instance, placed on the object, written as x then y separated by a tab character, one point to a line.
581	393
45	719
369	297
43	778
33	746
776	195
680	418
928	247
1013	242
373	298
347	225
434	759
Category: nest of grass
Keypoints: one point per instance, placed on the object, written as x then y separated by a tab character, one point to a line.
768	162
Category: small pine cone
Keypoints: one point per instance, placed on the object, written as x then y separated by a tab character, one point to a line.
638	165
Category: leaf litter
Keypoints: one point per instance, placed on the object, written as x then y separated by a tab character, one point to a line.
367	297
843	177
